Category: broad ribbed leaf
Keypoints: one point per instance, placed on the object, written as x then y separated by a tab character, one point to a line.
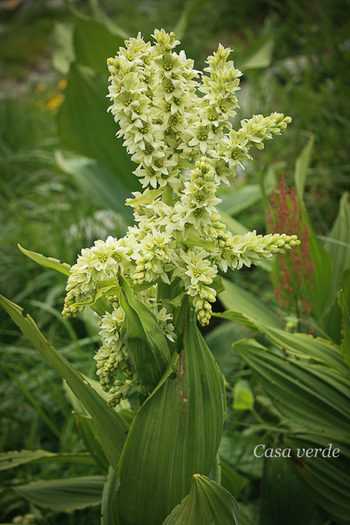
207	503
345	344
313	396
305	346
64	494
328	478
93	44
102	187
144	339
231	480
301	166
246	306
14	459
240	199
88	434
175	434
85	127
281	489
322	277
110	427
48	262
339	252
316	400
108	515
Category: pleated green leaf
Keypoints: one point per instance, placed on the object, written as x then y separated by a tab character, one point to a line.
281	489
94	43
144	339
14	459
64	494
315	398
322	277
245	306
328	479
312	396
47	262
108	515
301	166
344	298
85	127
231	480
207	503
339	252
88	434
174	435
110	427
305	346
98	183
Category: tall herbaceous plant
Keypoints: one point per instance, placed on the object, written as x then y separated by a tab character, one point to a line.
151	287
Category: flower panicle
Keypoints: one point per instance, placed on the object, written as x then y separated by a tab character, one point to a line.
184	146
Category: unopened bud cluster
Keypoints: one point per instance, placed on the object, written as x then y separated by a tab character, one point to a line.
184	147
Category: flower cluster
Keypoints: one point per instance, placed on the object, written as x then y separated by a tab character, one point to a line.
185	146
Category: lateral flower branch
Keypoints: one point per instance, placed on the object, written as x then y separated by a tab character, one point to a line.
176	125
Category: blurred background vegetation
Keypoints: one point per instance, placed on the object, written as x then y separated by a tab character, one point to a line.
295	57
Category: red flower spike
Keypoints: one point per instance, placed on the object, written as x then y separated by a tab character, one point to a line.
295	269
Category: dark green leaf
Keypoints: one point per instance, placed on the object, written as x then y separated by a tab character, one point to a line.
301	166
105	190
240	199
246	305
327	478
207	503
110	427
322	277
85	127
231	480
14	459
281	489
144	339
94	43
88	434
175	434
339	252
305	346
345	343
311	395
64	494
108	515
237	450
